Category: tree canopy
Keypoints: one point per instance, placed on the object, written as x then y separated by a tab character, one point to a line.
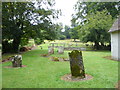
85	8
74	33
24	20
94	19
96	28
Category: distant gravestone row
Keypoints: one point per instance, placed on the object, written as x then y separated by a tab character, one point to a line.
75	48
62	48
62	44
51	50
66	46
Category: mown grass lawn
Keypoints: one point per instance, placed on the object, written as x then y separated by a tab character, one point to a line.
44	73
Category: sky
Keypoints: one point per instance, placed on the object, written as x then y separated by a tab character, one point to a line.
66	7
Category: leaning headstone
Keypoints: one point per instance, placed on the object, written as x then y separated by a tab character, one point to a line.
60	49
50	50
76	64
17	61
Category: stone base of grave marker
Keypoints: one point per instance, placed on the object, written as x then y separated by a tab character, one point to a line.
76	64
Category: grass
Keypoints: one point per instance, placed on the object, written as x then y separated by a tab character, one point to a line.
43	73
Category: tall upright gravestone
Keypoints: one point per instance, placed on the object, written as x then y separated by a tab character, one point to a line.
17	61
76	64
50	50
60	49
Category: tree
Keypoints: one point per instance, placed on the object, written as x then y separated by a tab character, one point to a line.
74	33
24	20
66	32
12	25
96	28
85	8
59	34
83	18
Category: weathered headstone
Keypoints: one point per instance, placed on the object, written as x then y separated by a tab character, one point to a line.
50	50
17	61
76	64
60	49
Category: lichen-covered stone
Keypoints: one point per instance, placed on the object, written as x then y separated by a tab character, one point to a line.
17	61
76	64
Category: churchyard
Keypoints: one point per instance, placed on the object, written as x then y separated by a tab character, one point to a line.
43	70
71	46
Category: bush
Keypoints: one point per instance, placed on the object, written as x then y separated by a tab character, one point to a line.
38	41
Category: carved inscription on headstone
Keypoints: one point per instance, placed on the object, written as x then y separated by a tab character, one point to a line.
76	64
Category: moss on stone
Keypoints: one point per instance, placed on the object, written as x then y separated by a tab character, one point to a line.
76	64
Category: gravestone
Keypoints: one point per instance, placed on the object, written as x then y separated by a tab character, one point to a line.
60	49
50	50
76	64
17	61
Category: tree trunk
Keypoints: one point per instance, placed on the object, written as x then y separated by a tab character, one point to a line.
102	46
74	40
5	46
15	44
96	45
